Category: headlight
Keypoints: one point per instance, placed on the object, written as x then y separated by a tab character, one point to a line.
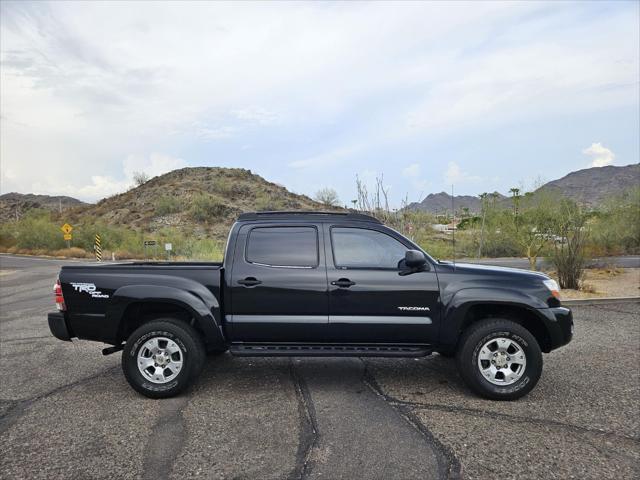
553	287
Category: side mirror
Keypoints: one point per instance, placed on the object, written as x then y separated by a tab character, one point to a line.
414	259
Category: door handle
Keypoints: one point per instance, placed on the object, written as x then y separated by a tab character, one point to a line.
250	282
343	283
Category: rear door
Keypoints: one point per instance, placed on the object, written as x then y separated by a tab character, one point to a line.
278	284
369	299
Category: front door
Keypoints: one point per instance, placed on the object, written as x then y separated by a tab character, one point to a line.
369	299
278	285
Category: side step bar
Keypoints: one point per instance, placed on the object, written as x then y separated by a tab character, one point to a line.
328	350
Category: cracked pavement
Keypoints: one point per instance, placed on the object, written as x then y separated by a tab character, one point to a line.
67	412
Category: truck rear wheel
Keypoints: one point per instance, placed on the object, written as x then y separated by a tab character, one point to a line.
162	357
499	359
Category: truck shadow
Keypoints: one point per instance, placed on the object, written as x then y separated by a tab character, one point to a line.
416	375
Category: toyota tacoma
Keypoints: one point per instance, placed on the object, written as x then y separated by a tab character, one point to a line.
314	284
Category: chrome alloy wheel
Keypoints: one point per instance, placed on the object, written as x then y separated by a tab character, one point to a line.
160	360
502	361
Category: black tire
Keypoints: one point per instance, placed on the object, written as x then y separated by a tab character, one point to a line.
476	336
185	337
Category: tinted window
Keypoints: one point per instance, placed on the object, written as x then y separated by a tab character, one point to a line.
283	246
360	248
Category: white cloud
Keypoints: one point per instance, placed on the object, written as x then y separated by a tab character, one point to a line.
600	155
412	170
257	115
101	186
85	83
414	173
327	158
454	175
215	133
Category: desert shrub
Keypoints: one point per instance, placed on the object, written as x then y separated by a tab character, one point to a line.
569	256
220	185
240	190
168	204
438	248
615	228
202	249
7	237
111	237
36	230
140	178
267	203
328	197
205	208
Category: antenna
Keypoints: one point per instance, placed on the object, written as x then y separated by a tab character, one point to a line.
453	230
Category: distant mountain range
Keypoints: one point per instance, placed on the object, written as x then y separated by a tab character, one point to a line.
223	193
440	203
13	205
589	187
592	186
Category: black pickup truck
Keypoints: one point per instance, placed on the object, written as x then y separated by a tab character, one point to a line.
314	284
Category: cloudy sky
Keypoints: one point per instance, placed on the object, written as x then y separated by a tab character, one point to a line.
482	95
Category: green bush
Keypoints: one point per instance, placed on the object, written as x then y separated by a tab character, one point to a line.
268	203
167	205
615	229
36	231
205	208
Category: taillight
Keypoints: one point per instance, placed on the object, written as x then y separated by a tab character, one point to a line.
57	292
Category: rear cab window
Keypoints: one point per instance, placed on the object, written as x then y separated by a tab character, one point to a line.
294	247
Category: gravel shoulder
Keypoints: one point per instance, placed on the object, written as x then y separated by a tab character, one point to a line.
607	282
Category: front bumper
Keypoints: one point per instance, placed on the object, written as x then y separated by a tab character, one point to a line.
58	326
559	323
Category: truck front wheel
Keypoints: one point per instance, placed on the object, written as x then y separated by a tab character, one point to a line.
162	357
499	359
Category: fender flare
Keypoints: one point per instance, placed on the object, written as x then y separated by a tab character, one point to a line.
201	304
458	305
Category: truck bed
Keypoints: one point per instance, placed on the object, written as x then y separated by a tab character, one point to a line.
98	296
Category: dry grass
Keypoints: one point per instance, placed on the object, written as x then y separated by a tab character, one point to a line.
73	252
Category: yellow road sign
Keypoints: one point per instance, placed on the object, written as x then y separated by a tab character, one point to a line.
66	228
67	236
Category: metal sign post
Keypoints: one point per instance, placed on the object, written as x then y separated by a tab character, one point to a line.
66	230
149	243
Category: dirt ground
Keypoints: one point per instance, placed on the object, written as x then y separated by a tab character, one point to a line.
606	282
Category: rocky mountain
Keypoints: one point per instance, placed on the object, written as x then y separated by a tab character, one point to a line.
440	203
198	200
589	187
203	199
14	205
592	186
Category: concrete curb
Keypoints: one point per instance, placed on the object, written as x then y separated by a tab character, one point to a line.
600	301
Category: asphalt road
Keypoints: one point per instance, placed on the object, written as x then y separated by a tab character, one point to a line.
627	261
67	412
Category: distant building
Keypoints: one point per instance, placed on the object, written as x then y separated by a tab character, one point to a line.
446	228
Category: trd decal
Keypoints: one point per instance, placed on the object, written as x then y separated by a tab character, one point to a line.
89	288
